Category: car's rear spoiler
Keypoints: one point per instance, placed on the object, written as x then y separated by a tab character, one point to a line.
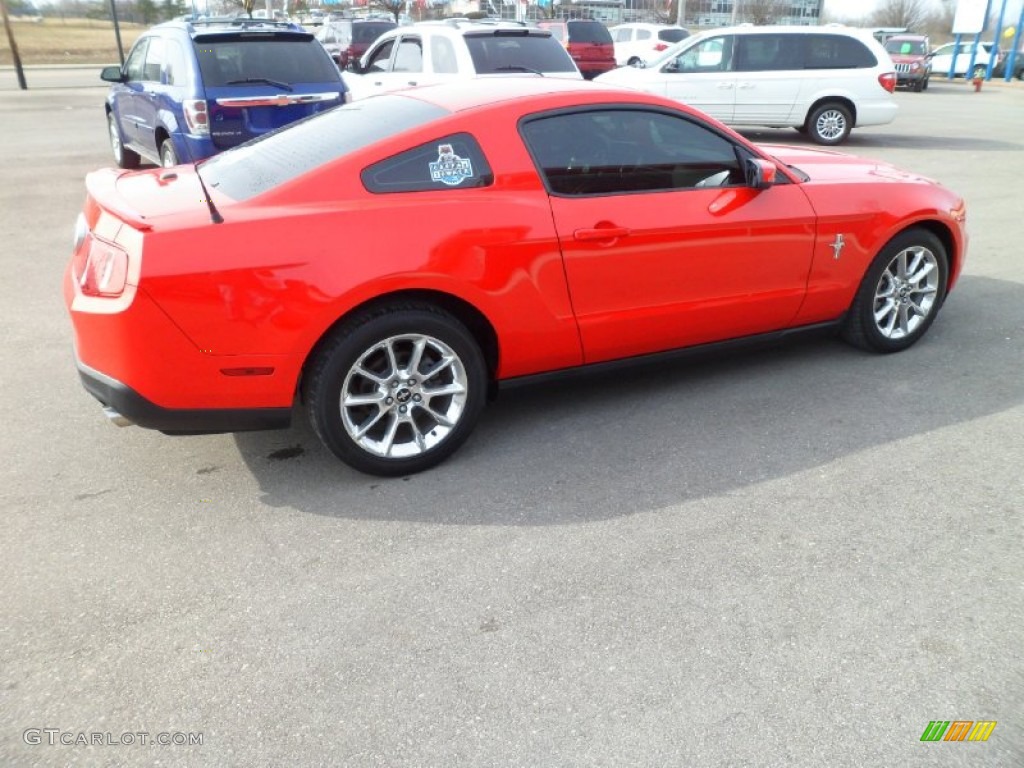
102	187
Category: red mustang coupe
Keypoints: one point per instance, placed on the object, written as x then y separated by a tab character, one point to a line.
390	261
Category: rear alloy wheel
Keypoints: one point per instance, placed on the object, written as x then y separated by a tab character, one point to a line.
397	390
830	124
124	158
168	157
901	293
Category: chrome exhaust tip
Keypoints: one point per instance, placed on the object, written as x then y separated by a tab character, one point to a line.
116	418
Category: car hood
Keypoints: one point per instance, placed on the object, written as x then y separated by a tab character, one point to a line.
831	166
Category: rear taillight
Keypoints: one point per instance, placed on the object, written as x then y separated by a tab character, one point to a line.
197	118
888	81
100	268
660	46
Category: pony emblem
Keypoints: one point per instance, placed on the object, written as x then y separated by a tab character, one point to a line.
450	169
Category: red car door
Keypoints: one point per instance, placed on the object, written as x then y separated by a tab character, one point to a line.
664	243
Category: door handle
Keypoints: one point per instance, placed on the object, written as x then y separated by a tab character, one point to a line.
411	82
601	233
725	86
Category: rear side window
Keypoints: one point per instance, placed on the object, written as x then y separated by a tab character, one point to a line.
589	32
493	54
248	57
278	157
369	31
837	52
766	53
450	162
672	35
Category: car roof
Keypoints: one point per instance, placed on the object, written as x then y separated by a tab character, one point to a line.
481	91
232	26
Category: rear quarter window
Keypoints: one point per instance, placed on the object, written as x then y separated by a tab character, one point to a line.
837	52
278	157
450	162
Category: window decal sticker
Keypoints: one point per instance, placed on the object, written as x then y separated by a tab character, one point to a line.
449	168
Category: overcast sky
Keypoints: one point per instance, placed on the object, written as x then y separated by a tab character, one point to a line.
852	9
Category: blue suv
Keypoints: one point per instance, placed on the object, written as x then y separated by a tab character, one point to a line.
189	90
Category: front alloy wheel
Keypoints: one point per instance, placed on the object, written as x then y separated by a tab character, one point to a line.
397	390
901	293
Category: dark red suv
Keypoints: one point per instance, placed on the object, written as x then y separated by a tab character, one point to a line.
589	44
347	39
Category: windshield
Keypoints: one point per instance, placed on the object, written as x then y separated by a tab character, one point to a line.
906	47
275	158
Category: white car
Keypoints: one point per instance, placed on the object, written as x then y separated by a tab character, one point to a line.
942	59
642	42
822	81
438	52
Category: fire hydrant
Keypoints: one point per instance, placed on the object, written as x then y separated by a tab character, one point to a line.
977	81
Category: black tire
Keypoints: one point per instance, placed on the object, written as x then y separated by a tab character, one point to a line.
920	85
924	86
633	61
168	157
891	312
423	420
124	157
829	123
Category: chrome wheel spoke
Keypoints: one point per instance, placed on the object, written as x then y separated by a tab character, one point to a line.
367	374
455	388
370	424
440	418
417	357
389	438
443	363
392	362
372	398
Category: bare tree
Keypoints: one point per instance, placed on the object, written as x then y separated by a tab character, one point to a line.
912	14
761	12
394	7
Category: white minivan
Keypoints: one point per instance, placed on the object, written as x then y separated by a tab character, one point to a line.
823	81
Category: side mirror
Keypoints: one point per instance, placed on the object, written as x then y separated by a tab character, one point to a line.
672	66
112	74
760	173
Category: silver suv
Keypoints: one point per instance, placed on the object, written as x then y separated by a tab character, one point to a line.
437	52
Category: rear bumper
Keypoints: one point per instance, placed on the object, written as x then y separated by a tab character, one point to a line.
124	406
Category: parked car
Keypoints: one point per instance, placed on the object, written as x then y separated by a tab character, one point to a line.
822	81
909	53
494	229
427	53
588	42
943	59
639	42
346	40
1018	66
190	90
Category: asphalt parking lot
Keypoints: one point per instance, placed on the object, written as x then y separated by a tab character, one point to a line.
793	557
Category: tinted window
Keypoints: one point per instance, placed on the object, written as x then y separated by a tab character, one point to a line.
588	32
672	35
517	52
837	52
273	159
226	62
619	151
764	53
445	163
367	32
